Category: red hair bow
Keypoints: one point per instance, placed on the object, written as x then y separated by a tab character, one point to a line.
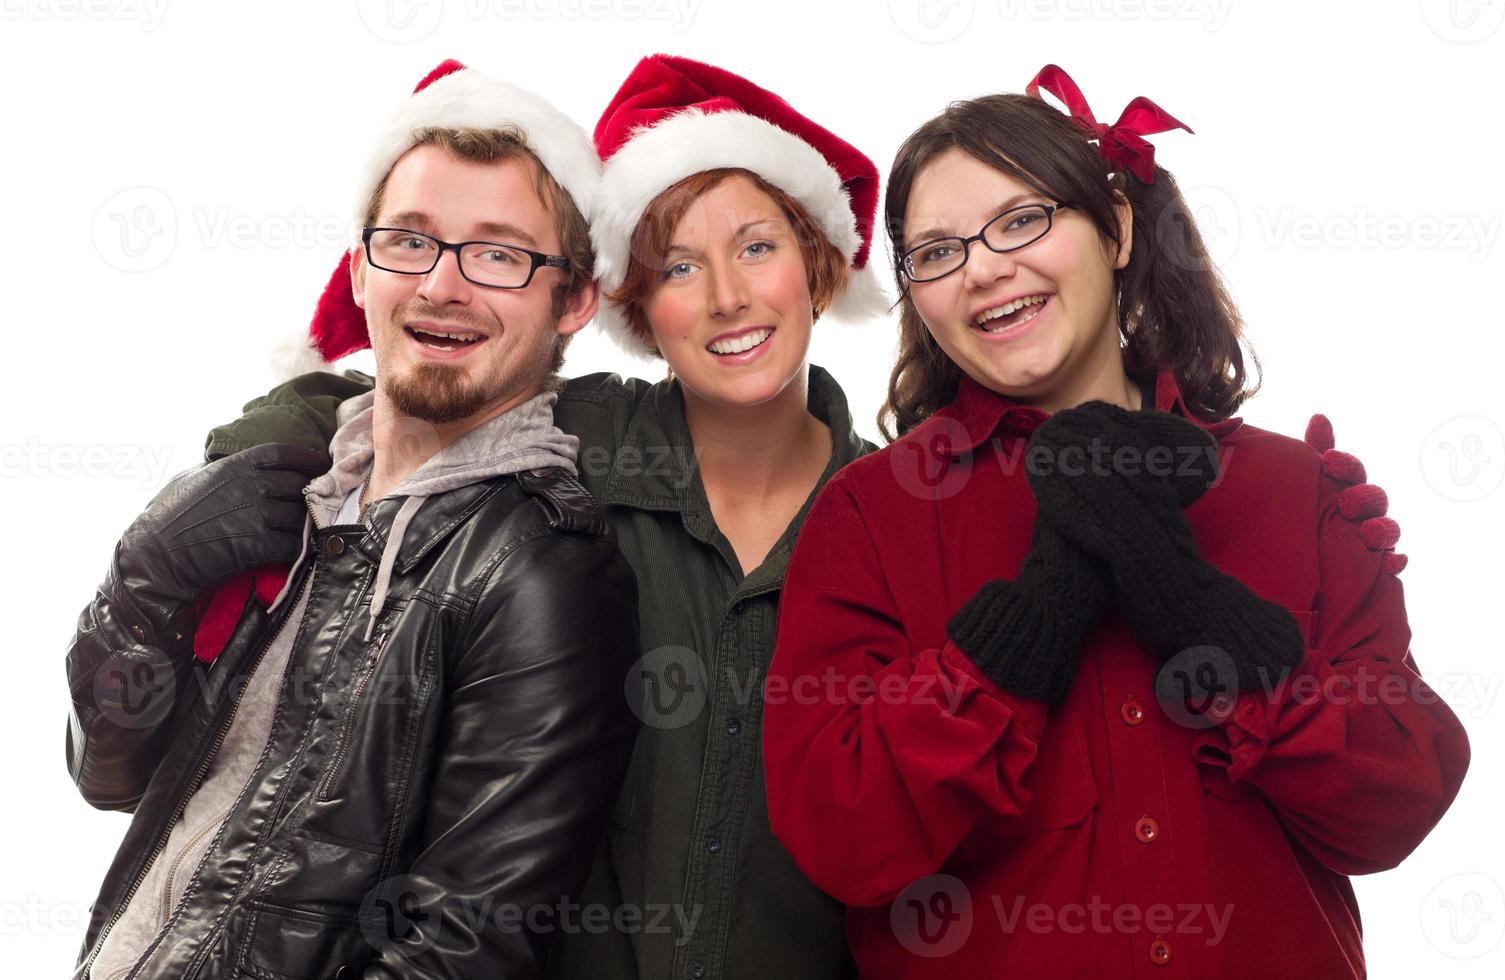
1122	143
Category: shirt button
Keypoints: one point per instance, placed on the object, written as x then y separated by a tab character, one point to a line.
139	634
697	971
1160	952
1147	830
733	727
714	846
335	545
1132	712
738	606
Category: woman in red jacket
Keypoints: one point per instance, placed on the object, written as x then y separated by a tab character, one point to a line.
1082	676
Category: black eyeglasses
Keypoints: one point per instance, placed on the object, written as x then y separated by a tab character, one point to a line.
412	253
1008	232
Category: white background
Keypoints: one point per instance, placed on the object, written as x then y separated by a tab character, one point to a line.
176	178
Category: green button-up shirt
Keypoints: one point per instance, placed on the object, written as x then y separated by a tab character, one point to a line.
689	882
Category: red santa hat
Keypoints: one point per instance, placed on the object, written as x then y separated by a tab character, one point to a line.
675	117
451	96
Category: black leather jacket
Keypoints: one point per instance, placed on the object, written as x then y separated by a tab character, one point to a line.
420	793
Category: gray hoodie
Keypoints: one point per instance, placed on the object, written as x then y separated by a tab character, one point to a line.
523	438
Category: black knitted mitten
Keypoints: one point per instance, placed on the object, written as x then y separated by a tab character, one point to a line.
1027	635
1129	513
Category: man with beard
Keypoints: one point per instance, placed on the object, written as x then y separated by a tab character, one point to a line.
401	759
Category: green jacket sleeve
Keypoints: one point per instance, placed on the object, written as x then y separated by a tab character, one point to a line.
301	412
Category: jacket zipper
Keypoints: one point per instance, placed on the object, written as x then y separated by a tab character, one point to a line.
166	903
198	958
368	670
198	777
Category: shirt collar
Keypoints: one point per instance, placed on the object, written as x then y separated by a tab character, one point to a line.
980	412
662	475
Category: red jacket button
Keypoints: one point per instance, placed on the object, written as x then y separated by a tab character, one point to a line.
1147	830
1132	712
1160	952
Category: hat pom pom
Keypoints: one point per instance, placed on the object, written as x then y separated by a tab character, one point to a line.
864	299
296	354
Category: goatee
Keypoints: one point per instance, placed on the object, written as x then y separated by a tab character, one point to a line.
434	393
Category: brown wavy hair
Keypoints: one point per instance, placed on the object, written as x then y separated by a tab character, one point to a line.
1173	307
825	267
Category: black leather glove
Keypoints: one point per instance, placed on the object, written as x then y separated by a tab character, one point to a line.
128	663
212	522
1027	635
1127	510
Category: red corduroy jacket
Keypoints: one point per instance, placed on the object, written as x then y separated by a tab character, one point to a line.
976	834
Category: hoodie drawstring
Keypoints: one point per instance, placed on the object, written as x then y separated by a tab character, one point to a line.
389	557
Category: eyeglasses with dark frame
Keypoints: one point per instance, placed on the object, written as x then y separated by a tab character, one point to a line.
1007	231
495	264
